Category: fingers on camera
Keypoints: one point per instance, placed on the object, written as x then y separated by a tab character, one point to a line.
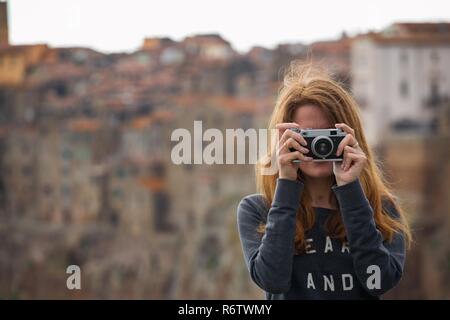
347	141
295	155
291	134
293	145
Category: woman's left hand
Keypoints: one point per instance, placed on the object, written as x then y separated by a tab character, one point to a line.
354	157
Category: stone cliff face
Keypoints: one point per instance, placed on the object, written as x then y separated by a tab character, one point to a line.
86	176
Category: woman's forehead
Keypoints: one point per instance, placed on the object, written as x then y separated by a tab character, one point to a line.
310	116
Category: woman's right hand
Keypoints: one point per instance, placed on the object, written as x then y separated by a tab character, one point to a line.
290	139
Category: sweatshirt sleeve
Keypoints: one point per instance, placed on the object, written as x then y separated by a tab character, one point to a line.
269	257
378	264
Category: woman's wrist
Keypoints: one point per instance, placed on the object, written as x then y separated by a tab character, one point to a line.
287	178
350	195
287	192
340	183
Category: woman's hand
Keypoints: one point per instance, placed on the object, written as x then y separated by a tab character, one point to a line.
290	139
354	157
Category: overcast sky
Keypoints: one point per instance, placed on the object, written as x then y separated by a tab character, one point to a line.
113	25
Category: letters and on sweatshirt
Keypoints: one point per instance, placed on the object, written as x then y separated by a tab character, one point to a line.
365	267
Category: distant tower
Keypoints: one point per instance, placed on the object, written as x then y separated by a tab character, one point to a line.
4	23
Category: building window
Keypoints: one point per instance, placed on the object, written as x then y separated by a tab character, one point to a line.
246	121
27	171
434	99
121	172
117	193
47	190
161	211
65	190
66	154
65	170
158	170
403	58
404	90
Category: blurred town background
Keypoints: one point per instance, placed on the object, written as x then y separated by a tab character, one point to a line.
86	176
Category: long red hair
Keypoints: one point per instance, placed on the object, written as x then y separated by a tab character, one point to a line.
304	84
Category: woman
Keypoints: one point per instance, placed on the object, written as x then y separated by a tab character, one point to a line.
321	230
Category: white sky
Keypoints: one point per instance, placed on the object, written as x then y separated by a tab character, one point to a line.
113	25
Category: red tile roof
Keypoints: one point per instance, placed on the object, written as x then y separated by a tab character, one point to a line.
84	125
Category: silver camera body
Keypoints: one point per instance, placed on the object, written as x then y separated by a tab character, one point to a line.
322	143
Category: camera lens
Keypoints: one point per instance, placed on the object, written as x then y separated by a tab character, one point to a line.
322	146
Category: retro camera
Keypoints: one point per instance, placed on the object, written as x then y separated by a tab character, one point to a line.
321	143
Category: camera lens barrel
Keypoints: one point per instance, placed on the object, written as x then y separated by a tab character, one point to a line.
322	146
